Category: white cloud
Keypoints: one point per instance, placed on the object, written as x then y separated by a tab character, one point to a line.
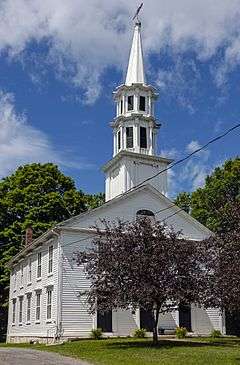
84	38
20	143
196	168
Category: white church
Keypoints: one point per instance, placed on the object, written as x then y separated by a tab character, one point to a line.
46	300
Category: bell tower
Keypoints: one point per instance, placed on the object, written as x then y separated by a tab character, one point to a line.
134	130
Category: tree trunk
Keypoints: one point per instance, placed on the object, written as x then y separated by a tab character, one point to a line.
155	325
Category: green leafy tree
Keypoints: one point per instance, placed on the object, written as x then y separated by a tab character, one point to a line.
183	201
36	195
222	188
211	203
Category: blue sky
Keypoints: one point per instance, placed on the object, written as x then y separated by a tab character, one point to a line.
59	67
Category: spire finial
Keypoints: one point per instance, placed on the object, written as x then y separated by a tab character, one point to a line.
136	14
135	71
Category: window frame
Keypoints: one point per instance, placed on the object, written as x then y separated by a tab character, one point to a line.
130	105
129	138
119	140
143	139
14	307
29	269
21	274
38	307
50	259
39	265
49	304
141	97
28	311
20	313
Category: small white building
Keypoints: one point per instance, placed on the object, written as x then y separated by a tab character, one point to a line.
46	299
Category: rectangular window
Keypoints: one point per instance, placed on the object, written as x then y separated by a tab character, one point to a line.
121	107
20	309
50	259
29	299
130	102
39	265
38	306
49	304
14	311
142	103
29	270
143	137
129	134
21	273
14	278
119	140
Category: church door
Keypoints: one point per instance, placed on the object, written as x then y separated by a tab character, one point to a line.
146	320
232	321
104	321
185	316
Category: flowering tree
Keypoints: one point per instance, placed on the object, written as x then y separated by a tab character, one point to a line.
143	265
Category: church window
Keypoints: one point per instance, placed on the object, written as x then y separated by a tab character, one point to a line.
119	140
143	137
129	134
142	103
121	107
145	213
130	102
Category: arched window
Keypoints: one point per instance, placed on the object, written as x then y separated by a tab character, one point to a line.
145	213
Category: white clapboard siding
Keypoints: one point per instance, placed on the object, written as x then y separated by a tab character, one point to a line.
33	329
205	320
124	322
168	321
76	319
127	207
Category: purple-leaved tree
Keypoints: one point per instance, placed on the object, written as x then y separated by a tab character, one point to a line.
222	258
142	264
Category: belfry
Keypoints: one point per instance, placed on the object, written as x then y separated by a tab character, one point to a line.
134	130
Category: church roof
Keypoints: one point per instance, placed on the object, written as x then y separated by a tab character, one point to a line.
135	71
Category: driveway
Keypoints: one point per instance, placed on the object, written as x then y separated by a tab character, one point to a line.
14	356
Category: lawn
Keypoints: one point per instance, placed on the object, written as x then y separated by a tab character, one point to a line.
224	351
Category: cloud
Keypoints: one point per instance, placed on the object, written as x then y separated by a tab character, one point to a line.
196	169
20	143
82	39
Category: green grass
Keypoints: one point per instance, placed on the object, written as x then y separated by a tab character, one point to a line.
201	351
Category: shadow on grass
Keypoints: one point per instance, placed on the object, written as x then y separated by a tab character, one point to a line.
165	344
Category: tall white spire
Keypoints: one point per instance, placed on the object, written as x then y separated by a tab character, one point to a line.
135	72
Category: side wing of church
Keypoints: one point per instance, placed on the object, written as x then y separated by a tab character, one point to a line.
47	298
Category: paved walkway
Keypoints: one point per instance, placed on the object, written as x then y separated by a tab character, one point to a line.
14	356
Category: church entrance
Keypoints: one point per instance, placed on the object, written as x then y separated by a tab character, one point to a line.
146	320
104	321
185	316
232	321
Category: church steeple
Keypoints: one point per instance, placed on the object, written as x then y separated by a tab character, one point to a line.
134	130
135	71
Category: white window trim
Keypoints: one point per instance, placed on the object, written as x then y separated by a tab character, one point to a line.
39	265
49	289
50	260
38	292
20	322
29	271
28	309
14	306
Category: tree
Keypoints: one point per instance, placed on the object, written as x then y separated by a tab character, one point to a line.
222	253
183	200
142	265
36	195
209	203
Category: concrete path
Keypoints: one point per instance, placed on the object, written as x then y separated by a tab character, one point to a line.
14	356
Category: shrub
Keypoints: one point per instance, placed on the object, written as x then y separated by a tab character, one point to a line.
140	333
216	334
97	334
181	332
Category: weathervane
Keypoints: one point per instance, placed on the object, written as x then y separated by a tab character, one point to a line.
137	12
